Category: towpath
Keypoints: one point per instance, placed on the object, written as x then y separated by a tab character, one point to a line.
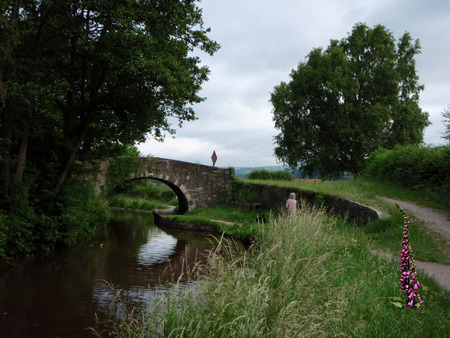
438	221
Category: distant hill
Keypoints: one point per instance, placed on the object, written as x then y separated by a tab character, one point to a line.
244	171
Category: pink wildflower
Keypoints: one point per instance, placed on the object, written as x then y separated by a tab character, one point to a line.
408	273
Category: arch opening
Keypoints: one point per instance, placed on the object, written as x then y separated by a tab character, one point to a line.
183	203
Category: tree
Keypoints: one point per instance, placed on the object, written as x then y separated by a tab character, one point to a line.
342	103
446	115
86	76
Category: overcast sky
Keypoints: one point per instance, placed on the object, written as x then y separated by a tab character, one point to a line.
263	40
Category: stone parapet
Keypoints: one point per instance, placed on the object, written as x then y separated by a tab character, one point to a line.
274	197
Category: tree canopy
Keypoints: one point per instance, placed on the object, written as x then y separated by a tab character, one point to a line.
346	101
81	79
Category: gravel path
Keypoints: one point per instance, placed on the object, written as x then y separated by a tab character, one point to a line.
434	219
438	221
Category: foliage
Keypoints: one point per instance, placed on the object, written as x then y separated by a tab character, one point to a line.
346	101
143	194
149	189
135	203
270	175
242	193
120	170
84	80
413	167
239	223
42	227
446	115
306	275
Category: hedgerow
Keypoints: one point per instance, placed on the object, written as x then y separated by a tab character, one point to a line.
413	167
270	175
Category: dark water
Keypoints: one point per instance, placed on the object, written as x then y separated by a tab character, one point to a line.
59	296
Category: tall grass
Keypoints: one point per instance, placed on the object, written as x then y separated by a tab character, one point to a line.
242	223
306	275
135	203
429	245
143	195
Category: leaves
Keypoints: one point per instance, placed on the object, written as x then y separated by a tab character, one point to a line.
87	79
346	101
107	73
397	302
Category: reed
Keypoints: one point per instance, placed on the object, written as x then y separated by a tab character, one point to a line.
305	275
383	234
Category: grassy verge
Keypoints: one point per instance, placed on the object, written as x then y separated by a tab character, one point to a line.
366	191
143	195
306	275
242	223
383	234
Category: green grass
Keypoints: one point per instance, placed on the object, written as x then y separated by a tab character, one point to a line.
143	195
366	191
305	275
135	203
383	234
244	220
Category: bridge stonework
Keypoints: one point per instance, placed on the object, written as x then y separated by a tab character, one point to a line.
195	185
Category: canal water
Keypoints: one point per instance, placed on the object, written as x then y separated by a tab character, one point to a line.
60	296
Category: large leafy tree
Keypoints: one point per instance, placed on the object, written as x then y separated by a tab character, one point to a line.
80	78
346	101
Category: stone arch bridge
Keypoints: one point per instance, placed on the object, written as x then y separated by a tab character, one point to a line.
195	185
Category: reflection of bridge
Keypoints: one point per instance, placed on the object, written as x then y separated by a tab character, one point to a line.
195	185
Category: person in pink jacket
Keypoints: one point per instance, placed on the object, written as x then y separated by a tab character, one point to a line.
291	204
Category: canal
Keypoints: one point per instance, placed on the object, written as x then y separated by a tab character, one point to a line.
61	295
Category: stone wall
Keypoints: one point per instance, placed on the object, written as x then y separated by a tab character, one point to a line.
274	197
195	185
204	186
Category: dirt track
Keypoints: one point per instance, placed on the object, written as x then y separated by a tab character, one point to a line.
438	221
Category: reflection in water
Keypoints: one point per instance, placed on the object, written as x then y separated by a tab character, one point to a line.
158	248
60	295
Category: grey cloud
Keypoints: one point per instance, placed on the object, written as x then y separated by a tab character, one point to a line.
263	40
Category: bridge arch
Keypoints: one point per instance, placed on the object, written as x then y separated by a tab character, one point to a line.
195	185
180	191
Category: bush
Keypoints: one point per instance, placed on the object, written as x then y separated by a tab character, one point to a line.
146	189
413	167
270	175
46	224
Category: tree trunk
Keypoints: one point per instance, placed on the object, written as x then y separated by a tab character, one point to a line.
70	158
23	146
84	126
97	81
18	172
4	168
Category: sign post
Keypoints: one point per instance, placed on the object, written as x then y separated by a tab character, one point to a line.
214	158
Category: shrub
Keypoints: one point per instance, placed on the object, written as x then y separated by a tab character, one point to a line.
413	167
270	175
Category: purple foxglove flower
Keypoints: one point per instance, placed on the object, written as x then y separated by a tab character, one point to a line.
408	274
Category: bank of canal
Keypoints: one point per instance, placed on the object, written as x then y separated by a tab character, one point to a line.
60	295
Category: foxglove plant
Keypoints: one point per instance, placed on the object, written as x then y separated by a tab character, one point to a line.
408	274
